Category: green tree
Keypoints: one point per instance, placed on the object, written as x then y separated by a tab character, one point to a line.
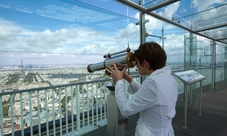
35	108
6	110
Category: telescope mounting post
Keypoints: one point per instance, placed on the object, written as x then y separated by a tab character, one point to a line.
115	121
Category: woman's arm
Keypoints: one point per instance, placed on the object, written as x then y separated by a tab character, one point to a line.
144	98
127	77
134	86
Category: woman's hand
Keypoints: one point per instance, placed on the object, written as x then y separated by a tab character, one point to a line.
127	77
115	73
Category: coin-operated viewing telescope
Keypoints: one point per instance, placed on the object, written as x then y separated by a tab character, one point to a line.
115	121
122	57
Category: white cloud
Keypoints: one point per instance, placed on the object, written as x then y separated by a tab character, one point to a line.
171	10
201	5
67	38
78	40
8	30
131	31
210	17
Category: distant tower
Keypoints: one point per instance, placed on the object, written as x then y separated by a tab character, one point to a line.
22	69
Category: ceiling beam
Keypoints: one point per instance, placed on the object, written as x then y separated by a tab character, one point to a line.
221	39
212	27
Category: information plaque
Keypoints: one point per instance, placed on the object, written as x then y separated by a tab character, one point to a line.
190	77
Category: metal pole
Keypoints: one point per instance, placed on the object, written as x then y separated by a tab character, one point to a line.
200	98
163	37
185	106
213	64
225	65
142	22
142	34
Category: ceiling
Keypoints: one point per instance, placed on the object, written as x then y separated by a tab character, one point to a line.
208	19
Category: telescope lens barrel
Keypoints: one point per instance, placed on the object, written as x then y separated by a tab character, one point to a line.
121	59
95	67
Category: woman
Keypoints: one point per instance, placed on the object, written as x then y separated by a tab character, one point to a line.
155	98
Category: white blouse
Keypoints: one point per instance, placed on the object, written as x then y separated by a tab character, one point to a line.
155	99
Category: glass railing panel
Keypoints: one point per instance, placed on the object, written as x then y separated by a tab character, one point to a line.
221	67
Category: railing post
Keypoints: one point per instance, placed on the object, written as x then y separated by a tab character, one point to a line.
1	117
115	121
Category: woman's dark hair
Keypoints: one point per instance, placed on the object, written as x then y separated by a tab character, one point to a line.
153	53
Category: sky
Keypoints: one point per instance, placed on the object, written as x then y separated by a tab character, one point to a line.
82	31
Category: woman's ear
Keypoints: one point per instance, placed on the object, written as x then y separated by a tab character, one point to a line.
144	63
